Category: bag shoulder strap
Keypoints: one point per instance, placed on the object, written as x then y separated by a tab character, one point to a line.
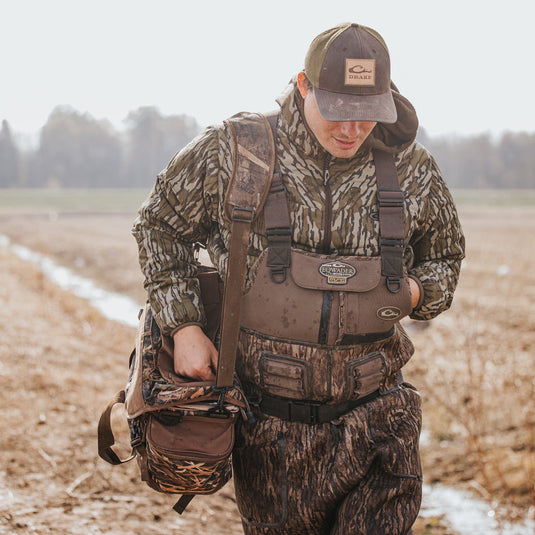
254	162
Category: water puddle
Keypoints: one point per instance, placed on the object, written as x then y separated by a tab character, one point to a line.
466	514
111	305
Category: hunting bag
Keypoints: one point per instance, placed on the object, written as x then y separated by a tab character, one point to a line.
182	431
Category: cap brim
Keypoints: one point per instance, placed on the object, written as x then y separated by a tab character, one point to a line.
344	107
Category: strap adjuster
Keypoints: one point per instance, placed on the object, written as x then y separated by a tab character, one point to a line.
242	215
392	242
390	198
305	412
278	232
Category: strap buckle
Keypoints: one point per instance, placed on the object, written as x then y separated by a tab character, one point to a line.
390	198
307	412
392	242
281	231
242	215
219	410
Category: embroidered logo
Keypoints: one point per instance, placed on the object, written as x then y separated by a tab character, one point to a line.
360	72
337	272
388	313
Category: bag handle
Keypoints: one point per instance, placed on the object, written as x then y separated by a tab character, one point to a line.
254	162
105	434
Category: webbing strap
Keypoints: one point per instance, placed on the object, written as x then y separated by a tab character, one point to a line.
391	219
391	223
232	298
182	503
277	221
254	160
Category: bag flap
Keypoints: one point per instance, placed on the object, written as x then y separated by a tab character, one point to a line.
207	437
338	273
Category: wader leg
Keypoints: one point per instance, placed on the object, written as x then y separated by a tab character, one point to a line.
388	499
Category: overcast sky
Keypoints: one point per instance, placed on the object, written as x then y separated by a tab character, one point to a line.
466	65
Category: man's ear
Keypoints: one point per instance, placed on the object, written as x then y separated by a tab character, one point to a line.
303	84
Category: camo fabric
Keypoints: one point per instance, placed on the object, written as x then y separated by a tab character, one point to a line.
161	388
332	203
358	475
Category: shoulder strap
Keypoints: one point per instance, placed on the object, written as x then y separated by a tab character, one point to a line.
391	219
254	161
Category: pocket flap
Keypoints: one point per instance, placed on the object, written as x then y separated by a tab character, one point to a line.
338	273
193	437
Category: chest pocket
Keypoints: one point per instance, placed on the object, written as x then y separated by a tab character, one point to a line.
359	301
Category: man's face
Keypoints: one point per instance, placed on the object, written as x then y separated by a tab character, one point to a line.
341	139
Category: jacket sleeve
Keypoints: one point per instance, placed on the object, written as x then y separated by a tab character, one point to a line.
175	216
438	243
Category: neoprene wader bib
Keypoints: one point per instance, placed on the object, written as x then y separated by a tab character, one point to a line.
321	305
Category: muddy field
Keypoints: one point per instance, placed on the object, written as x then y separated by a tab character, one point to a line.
60	362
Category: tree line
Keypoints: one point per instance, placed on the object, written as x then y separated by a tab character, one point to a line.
77	151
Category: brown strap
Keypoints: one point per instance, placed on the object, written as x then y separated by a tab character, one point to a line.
391	219
182	503
254	153
277	220
105	434
254	160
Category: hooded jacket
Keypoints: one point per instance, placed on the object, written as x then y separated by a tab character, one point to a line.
333	209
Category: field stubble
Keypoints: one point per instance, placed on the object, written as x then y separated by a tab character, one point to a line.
62	361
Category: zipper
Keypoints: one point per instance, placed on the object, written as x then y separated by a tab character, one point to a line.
328	206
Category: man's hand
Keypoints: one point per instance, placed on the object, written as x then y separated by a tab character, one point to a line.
415	292
195	356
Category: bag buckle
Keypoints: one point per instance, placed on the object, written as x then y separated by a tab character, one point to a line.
219	410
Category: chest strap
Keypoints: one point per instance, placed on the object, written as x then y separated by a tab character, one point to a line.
391	223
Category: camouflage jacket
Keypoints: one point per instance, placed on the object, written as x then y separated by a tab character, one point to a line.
332	204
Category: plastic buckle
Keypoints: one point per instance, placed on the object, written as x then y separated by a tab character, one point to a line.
304	411
393	284
392	242
220	410
277	275
390	198
242	215
286	231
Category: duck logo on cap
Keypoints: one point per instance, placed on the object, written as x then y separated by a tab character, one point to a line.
360	72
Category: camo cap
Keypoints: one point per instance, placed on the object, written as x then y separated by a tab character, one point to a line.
349	67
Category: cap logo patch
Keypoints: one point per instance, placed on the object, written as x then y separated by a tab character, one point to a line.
360	72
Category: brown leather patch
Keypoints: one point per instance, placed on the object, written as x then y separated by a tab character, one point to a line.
360	72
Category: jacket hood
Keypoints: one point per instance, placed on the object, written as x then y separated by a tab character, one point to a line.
388	137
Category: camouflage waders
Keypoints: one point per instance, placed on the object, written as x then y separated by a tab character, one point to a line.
359	473
335	447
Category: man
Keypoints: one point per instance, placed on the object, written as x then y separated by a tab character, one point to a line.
372	236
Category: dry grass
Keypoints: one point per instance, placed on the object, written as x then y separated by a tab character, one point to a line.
473	367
